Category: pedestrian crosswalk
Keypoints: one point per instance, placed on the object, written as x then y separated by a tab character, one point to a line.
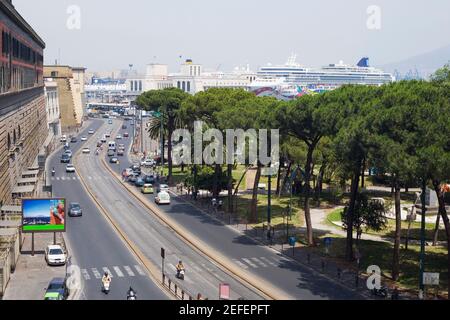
114	271
71	178
259	262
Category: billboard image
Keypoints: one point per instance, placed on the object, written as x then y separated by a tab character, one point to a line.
43	215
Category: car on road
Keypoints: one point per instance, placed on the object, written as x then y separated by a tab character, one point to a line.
103	139
111	153
66	146
147	188
65	158
148	163
91	131
107	135
70	168
113	160
58	286
63	138
110	121
162	198
139	182
83	138
75	210
55	255
124	127
68	152
119	137
120	152
163	188
86	150
149	179
132	178
136	169
99	144
126	135
73	140
127	172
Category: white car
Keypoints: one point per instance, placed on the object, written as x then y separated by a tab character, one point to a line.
91	131
70	168
148	163
63	138
119	137
55	255
83	138
162	198
164	188
86	150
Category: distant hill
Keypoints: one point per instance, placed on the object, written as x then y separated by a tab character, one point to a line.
425	64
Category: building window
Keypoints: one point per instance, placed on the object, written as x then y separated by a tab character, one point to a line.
132	86
140	85
183	86
188	86
9	141
54	74
178	85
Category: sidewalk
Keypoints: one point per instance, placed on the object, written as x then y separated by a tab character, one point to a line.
32	274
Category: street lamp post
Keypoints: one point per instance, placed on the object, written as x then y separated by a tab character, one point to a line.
269	204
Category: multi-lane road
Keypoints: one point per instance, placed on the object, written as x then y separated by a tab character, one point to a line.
96	245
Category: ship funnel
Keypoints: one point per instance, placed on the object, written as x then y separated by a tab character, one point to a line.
364	62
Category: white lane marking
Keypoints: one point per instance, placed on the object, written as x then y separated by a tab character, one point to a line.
196	267
251	264
262	264
74	178
85	274
273	264
139	270
96	273
118	271
240	264
63	178
57	178
90	178
105	269
129	271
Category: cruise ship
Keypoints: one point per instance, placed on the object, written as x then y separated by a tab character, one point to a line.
291	80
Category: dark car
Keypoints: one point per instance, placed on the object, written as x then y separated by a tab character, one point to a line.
57	285
113	160
139	182
124	127
136	169
133	178
65	158
75	210
149	179
99	144
73	140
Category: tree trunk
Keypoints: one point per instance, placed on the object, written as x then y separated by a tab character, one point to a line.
169	148
286	178
436	230
307	191
230	187
398	233
216	187
351	209
443	213
278	179
363	172
236	190
254	204
320	183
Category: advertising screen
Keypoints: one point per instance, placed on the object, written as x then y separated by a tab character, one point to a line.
43	215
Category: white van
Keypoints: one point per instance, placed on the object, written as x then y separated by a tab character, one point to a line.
112	145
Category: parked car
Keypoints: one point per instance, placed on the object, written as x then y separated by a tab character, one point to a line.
65	158
127	172
136	169
147	188
57	286
111	153
113	160
70	168
75	210
149	179
86	150
162	198
133	178
55	255
148	163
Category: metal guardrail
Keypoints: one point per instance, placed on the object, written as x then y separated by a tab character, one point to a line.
179	292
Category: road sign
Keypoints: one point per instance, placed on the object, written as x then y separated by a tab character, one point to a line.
292	241
224	291
431	278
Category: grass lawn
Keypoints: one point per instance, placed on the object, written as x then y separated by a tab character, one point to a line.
335	216
380	254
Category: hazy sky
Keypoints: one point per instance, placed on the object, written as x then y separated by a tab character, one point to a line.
223	34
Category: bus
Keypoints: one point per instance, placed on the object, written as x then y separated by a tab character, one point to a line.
112	145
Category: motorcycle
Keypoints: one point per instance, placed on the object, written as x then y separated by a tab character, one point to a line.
131	295
180	274
53	172
105	288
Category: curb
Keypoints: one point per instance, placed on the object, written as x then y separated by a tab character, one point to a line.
267	290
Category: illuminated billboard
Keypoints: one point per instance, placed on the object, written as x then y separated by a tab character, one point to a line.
43	215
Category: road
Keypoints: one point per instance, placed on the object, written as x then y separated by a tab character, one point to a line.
296	280
148	233
95	246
